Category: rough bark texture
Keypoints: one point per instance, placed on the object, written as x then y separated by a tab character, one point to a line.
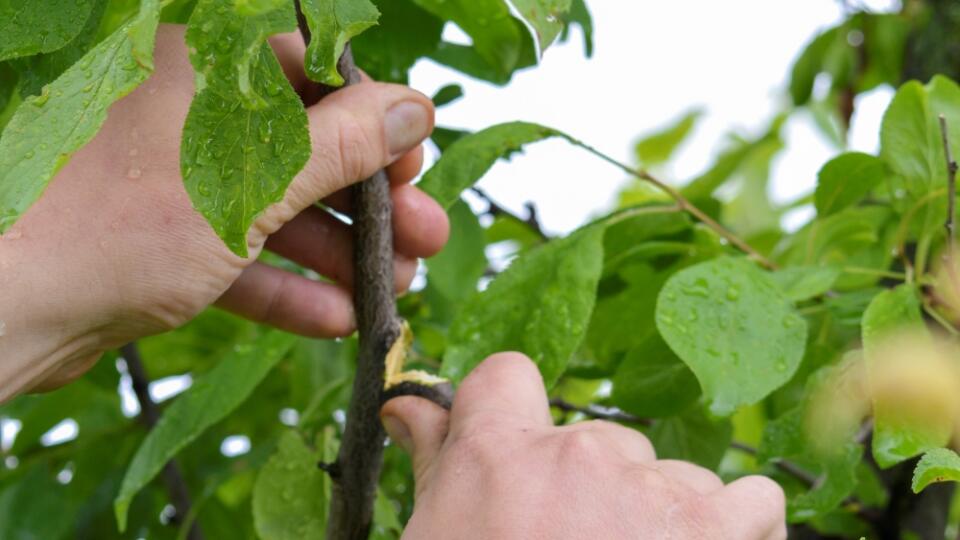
150	414
359	461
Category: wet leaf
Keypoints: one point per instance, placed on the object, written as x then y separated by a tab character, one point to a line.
732	325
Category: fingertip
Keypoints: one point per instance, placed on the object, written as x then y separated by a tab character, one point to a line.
421	225
759	501
506	383
407	167
417	425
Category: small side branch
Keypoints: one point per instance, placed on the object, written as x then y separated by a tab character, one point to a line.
150	415
951	184
600	413
682	202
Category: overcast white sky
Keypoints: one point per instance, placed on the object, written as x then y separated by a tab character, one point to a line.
653	60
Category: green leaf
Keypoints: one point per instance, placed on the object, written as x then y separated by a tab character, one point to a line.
540	306
225	40
810	64
332	24
211	398
657	148
9	79
651	382
628	241
800	283
444	137
39	70
859	237
36	507
291	495
580	15
465	161
892	311
386	523
195	346
845	180
92	407
731	324
912	147
456	270
448	94
48	128
903	427
624	320
937	465
499	40
405	33
246	135
545	16
784	438
692	436
29	27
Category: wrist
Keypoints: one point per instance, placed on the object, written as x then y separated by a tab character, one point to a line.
46	326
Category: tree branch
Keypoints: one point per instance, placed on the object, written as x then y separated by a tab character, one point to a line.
682	202
357	470
361	449
149	416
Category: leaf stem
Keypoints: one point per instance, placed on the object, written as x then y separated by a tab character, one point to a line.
681	201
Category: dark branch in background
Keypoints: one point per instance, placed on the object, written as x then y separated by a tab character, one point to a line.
600	413
494	209
150	415
357	470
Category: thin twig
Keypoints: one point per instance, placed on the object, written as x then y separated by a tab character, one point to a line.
150	415
786	466
494	209
682	202
951	183
600	413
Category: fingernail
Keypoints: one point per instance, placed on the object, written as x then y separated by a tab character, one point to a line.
398	432
406	124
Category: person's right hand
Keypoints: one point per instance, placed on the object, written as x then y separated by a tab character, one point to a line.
496	467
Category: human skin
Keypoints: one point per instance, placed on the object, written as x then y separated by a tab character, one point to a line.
495	466
113	250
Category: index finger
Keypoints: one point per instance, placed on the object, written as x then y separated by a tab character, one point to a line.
505	386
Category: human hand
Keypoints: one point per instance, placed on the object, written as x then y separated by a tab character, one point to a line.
114	250
496	467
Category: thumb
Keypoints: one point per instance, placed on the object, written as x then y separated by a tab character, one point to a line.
357	131
419	426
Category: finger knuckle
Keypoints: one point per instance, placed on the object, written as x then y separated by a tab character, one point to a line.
354	147
579	447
